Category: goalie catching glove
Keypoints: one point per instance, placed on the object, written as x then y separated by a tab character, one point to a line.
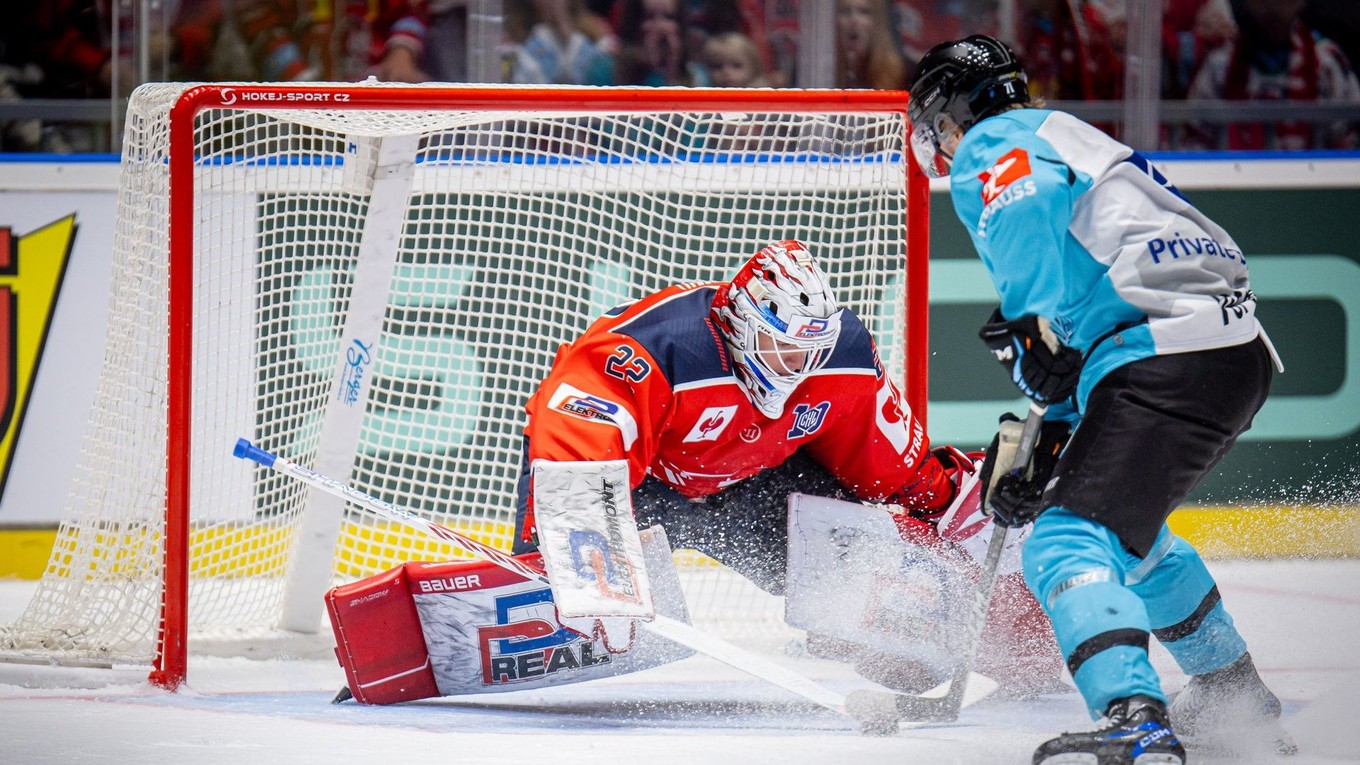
1042	367
1014	498
962	525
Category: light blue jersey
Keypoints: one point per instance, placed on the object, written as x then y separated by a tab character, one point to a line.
1080	229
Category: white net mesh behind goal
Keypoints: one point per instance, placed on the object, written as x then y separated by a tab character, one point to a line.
377	291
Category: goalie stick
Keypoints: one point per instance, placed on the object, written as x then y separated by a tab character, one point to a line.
671	629
881	711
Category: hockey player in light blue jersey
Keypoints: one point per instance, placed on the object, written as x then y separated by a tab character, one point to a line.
1128	313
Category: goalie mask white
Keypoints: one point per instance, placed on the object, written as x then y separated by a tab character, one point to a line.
780	323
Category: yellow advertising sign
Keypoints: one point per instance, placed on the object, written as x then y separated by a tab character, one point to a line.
31	271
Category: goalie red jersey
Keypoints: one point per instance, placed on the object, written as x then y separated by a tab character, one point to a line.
653	383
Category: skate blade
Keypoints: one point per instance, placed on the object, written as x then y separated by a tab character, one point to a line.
1090	758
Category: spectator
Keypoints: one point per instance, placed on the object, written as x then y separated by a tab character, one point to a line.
771	27
246	40
1276	57
920	24
1339	21
733	61
301	40
73	46
381	38
1070	55
774	28
653	47
72	43
867	53
446	44
556	50
1190	29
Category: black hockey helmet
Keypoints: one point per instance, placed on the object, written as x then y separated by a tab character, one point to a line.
963	81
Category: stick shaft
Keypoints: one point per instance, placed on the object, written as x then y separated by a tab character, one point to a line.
1029	438
671	629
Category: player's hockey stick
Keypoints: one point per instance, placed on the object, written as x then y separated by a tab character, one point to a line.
673	630
880	711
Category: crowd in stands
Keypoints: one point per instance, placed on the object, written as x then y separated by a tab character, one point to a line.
1212	50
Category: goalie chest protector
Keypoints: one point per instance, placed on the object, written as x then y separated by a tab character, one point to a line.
453	628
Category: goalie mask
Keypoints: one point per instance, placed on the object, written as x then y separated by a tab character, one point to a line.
779	321
959	83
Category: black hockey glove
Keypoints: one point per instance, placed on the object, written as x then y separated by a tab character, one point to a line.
1043	368
1016	499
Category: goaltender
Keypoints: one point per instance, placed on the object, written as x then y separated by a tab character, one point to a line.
711	403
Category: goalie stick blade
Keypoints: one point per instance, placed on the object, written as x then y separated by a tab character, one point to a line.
881	712
342	695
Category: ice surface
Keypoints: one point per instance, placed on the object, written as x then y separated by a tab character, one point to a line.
1301	619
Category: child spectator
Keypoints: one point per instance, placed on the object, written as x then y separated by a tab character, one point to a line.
733	61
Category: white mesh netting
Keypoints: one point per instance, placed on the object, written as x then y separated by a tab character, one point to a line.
506	234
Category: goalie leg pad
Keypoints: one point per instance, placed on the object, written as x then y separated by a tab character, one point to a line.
465	627
378	639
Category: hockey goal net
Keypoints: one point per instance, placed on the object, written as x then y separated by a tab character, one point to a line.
371	280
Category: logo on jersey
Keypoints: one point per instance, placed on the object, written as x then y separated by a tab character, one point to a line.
807	419
750	434
711	424
1145	166
1237	305
1177	247
571	400
891	415
1012	166
526	642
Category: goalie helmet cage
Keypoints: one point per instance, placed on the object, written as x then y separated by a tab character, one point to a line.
371	280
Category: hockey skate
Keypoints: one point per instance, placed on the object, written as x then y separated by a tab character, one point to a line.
1230	710
1138	733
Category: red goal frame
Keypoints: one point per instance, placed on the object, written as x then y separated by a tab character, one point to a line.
172	651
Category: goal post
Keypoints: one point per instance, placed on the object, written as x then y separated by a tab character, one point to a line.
371	280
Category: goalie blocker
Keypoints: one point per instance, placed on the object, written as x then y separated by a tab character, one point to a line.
468	627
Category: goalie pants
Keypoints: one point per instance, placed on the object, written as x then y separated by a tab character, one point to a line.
1101	560
744	526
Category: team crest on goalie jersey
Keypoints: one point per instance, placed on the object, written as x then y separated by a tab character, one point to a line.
711	424
807	419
